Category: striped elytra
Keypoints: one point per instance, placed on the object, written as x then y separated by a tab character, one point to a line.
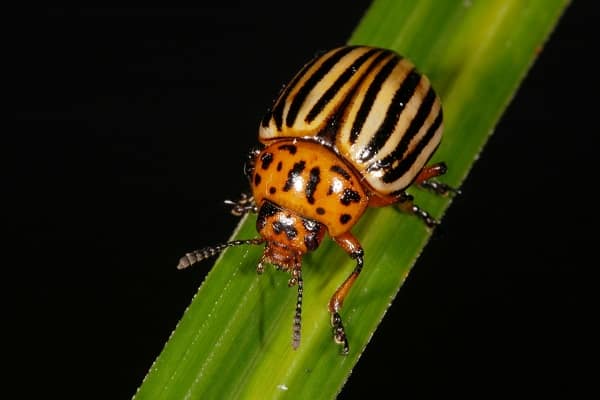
370	105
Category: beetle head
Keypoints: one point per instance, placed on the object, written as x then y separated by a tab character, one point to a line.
288	235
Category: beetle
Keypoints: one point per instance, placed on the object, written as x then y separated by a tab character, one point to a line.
354	128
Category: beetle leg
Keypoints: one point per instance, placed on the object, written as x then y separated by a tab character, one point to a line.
351	246
439	188
243	205
406	204
425	181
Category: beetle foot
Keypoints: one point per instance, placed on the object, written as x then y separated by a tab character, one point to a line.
243	205
424	216
260	267
440	188
339	334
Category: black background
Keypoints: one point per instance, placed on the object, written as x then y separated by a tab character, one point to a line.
130	132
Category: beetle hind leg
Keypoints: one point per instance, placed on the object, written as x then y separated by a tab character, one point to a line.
425	180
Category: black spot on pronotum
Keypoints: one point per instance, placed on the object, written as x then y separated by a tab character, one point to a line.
289	147
344	218
320	210
272	190
256	179
266	160
313	180
349	196
341	171
293	174
279	165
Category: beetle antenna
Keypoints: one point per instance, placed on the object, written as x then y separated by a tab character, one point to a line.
198	255
298	316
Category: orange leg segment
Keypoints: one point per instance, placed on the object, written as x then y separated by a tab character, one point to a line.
351	246
431	171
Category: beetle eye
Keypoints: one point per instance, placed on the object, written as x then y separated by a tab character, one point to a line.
250	162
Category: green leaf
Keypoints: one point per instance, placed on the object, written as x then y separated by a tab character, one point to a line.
234	340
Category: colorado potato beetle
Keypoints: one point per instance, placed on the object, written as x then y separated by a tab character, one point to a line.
353	129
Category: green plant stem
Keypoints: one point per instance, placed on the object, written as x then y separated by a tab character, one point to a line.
234	340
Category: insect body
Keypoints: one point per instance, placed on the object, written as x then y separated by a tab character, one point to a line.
354	128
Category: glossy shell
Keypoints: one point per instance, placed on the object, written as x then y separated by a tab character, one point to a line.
312	181
369	105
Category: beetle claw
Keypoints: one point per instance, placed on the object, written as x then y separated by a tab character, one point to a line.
339	334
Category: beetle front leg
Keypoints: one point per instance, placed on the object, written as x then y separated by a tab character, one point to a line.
243	205
351	246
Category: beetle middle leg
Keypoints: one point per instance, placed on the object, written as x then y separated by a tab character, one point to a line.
351	246
425	180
